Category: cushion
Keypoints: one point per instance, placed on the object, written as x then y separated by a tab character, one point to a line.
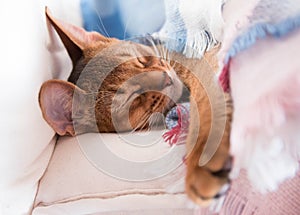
74	183
27	142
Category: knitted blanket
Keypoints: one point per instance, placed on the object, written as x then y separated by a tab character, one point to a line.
177	121
243	199
191	26
259	67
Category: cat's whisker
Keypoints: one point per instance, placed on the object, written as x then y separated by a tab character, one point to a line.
161	98
140	126
163	51
144	120
104	97
121	107
154	120
168	57
160	53
101	25
166	54
150	39
173	65
126	26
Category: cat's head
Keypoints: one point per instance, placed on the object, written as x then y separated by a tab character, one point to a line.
114	85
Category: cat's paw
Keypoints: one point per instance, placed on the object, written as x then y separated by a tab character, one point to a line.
204	186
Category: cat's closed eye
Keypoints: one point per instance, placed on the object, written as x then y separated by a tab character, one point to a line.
137	96
141	62
148	61
139	91
121	91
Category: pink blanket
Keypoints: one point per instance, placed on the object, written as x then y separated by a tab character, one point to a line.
243	200
260	67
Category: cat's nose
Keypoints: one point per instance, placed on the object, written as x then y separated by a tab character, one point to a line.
167	80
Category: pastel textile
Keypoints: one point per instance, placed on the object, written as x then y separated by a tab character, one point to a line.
260	67
191	26
172	116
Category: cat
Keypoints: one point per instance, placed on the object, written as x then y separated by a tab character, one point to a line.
82	47
135	82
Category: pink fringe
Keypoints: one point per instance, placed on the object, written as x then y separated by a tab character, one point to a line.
177	135
224	77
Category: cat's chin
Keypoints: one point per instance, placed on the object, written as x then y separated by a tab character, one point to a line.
169	106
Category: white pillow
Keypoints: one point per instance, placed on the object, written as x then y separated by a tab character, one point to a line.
26	140
73	184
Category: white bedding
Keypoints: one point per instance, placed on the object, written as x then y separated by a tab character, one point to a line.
73	185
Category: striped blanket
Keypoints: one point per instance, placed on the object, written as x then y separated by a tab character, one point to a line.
192	26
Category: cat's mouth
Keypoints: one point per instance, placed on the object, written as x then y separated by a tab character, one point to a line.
170	94
143	95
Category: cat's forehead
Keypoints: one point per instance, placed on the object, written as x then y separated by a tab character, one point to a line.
106	60
117	51
126	49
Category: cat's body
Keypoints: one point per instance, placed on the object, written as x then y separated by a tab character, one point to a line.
117	86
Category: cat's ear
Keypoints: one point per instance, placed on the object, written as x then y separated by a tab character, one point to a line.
74	38
56	98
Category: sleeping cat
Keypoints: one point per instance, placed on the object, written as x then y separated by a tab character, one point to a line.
113	80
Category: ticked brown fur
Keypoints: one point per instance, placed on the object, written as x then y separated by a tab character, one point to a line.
203	183
81	105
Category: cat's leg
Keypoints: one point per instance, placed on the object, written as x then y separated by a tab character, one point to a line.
209	129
